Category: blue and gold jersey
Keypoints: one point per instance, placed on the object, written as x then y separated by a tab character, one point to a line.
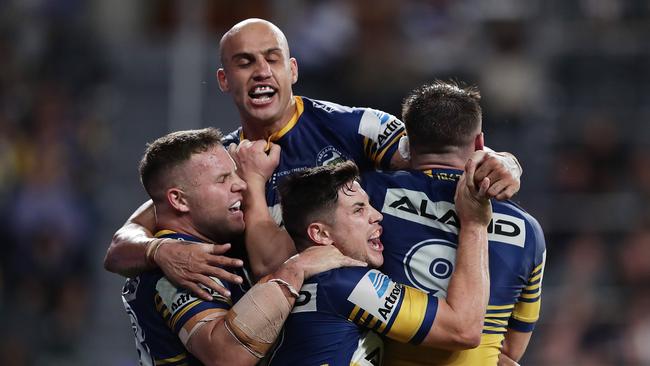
420	238
163	316
322	133
333	320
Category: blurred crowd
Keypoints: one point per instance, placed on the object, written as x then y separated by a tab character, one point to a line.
565	85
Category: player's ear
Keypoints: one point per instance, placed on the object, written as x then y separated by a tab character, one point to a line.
319	233
479	142
177	199
221	78
293	64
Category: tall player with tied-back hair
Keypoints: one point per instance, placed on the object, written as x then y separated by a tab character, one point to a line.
444	126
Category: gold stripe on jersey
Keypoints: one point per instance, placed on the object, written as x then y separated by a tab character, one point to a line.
185	309
496	322
353	313
377	160
527	311
382	326
173	359
164	232
162	309
400	354
372	322
411	315
300	107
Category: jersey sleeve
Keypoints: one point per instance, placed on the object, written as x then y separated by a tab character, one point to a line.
372	300
183	312
381	133
527	309
233	137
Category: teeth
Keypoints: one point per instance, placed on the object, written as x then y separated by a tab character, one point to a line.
235	206
262	89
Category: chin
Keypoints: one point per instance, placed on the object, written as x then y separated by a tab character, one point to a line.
375	262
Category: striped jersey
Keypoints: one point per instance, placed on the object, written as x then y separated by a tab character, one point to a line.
163	316
420	239
323	133
339	313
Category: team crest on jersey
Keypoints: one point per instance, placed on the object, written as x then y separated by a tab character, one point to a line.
377	294
429	265
329	156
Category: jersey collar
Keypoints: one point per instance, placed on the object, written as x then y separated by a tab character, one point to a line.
300	107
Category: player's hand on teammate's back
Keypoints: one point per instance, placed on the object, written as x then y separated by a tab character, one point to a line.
317	259
504	172
472	199
255	159
190	266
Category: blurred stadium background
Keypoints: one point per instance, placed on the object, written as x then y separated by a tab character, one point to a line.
84	84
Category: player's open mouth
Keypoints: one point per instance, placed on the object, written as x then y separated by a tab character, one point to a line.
235	207
262	94
375	242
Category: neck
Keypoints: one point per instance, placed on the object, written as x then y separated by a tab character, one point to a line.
426	161
259	129
180	225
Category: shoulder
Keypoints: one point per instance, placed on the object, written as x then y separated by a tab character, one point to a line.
512	221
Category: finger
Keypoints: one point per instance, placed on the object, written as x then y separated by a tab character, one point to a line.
260	145
219	248
198	291
232	148
221	274
223	261
508	192
470	167
212	284
484	188
497	187
274	153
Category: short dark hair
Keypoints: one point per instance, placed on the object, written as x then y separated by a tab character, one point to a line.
441	115
171	150
312	194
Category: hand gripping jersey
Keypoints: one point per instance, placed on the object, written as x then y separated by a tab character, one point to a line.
331	321
322	133
164	316
420	238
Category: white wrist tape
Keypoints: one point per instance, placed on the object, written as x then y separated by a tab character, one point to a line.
257	318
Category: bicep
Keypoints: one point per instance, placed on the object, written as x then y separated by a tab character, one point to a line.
144	216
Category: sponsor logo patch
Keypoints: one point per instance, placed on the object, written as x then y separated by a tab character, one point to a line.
415	206
377	294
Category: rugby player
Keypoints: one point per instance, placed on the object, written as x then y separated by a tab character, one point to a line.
258	73
326	206
197	195
443	122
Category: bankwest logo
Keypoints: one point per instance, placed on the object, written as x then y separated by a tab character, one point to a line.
379	282
415	206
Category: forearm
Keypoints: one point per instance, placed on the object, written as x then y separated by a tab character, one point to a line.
460	317
515	344
267	244
126	254
250	328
